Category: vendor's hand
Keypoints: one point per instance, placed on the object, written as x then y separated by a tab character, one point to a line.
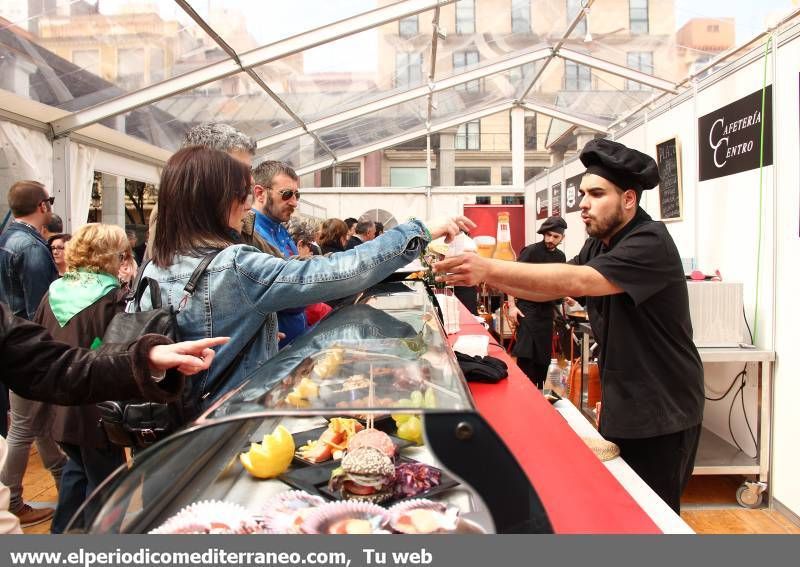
449	227
569	301
466	270
514	314
189	357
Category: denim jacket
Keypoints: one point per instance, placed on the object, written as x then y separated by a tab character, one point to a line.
26	269
243	288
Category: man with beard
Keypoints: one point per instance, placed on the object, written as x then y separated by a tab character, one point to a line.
534	319
630	271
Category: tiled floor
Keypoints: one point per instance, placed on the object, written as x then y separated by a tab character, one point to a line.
709	505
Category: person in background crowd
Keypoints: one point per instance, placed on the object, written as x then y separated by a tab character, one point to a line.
40	368
378	228
351	226
333	236
276	196
533	319
205	194
55	226
240	147
365	231
57	244
26	270
302	232
126	276
76	310
631	273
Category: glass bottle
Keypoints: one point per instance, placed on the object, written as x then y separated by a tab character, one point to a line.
503	250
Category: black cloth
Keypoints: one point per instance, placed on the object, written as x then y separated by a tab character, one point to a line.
623	166
651	374
468	296
535	331
664	462
482	368
138	252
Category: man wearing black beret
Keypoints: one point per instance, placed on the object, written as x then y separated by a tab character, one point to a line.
534	319
630	271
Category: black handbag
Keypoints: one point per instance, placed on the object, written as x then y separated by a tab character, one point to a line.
482	368
139	423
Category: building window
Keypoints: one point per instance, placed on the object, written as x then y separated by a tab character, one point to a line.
88	59
512	200
713	28
468	136
408	176
483	200
577	77
641	61
573	8
521	16
506	175
530	132
531	172
348	175
130	68
408	69
465	16
409	27
637	11
473	175
461	61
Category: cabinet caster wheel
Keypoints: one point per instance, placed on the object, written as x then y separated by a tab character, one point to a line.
751	494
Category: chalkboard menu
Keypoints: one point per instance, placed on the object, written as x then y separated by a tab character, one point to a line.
670	195
555	200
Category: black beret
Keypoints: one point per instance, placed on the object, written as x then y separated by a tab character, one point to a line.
553	224
623	166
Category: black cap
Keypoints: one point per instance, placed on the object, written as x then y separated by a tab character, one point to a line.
553	224
624	167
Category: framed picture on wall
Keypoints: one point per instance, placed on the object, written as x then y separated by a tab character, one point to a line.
670	191
542	204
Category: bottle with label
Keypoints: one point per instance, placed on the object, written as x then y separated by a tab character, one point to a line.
553	379
503	250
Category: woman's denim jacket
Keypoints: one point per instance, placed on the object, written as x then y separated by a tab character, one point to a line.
243	288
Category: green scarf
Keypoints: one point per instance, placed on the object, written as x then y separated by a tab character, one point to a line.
77	290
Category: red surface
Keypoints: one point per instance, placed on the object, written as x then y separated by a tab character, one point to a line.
578	492
485	216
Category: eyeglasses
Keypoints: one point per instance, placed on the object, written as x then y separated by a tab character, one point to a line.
57	248
286	194
122	256
50	200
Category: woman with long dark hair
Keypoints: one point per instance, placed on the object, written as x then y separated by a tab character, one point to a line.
203	196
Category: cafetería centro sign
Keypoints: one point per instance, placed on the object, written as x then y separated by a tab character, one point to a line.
729	138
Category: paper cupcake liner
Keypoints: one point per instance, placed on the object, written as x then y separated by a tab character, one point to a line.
327	515
447	516
210	516
286	512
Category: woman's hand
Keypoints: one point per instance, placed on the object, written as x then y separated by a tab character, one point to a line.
189	357
449	227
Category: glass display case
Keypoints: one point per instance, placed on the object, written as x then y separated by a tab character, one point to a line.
308	420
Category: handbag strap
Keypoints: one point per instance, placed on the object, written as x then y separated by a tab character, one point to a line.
194	279
231	367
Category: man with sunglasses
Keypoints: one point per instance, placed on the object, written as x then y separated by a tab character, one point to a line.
27	269
276	197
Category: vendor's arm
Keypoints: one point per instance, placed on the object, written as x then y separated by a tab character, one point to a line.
535	282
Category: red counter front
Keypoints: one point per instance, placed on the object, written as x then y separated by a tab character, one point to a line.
578	492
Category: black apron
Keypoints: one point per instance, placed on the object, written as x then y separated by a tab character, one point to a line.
535	330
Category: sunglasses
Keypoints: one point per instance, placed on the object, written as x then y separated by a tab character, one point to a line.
122	256
286	194
50	200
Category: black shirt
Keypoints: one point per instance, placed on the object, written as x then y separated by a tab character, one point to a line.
539	254
651	374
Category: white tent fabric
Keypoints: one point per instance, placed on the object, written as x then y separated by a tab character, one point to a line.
81	165
28	153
